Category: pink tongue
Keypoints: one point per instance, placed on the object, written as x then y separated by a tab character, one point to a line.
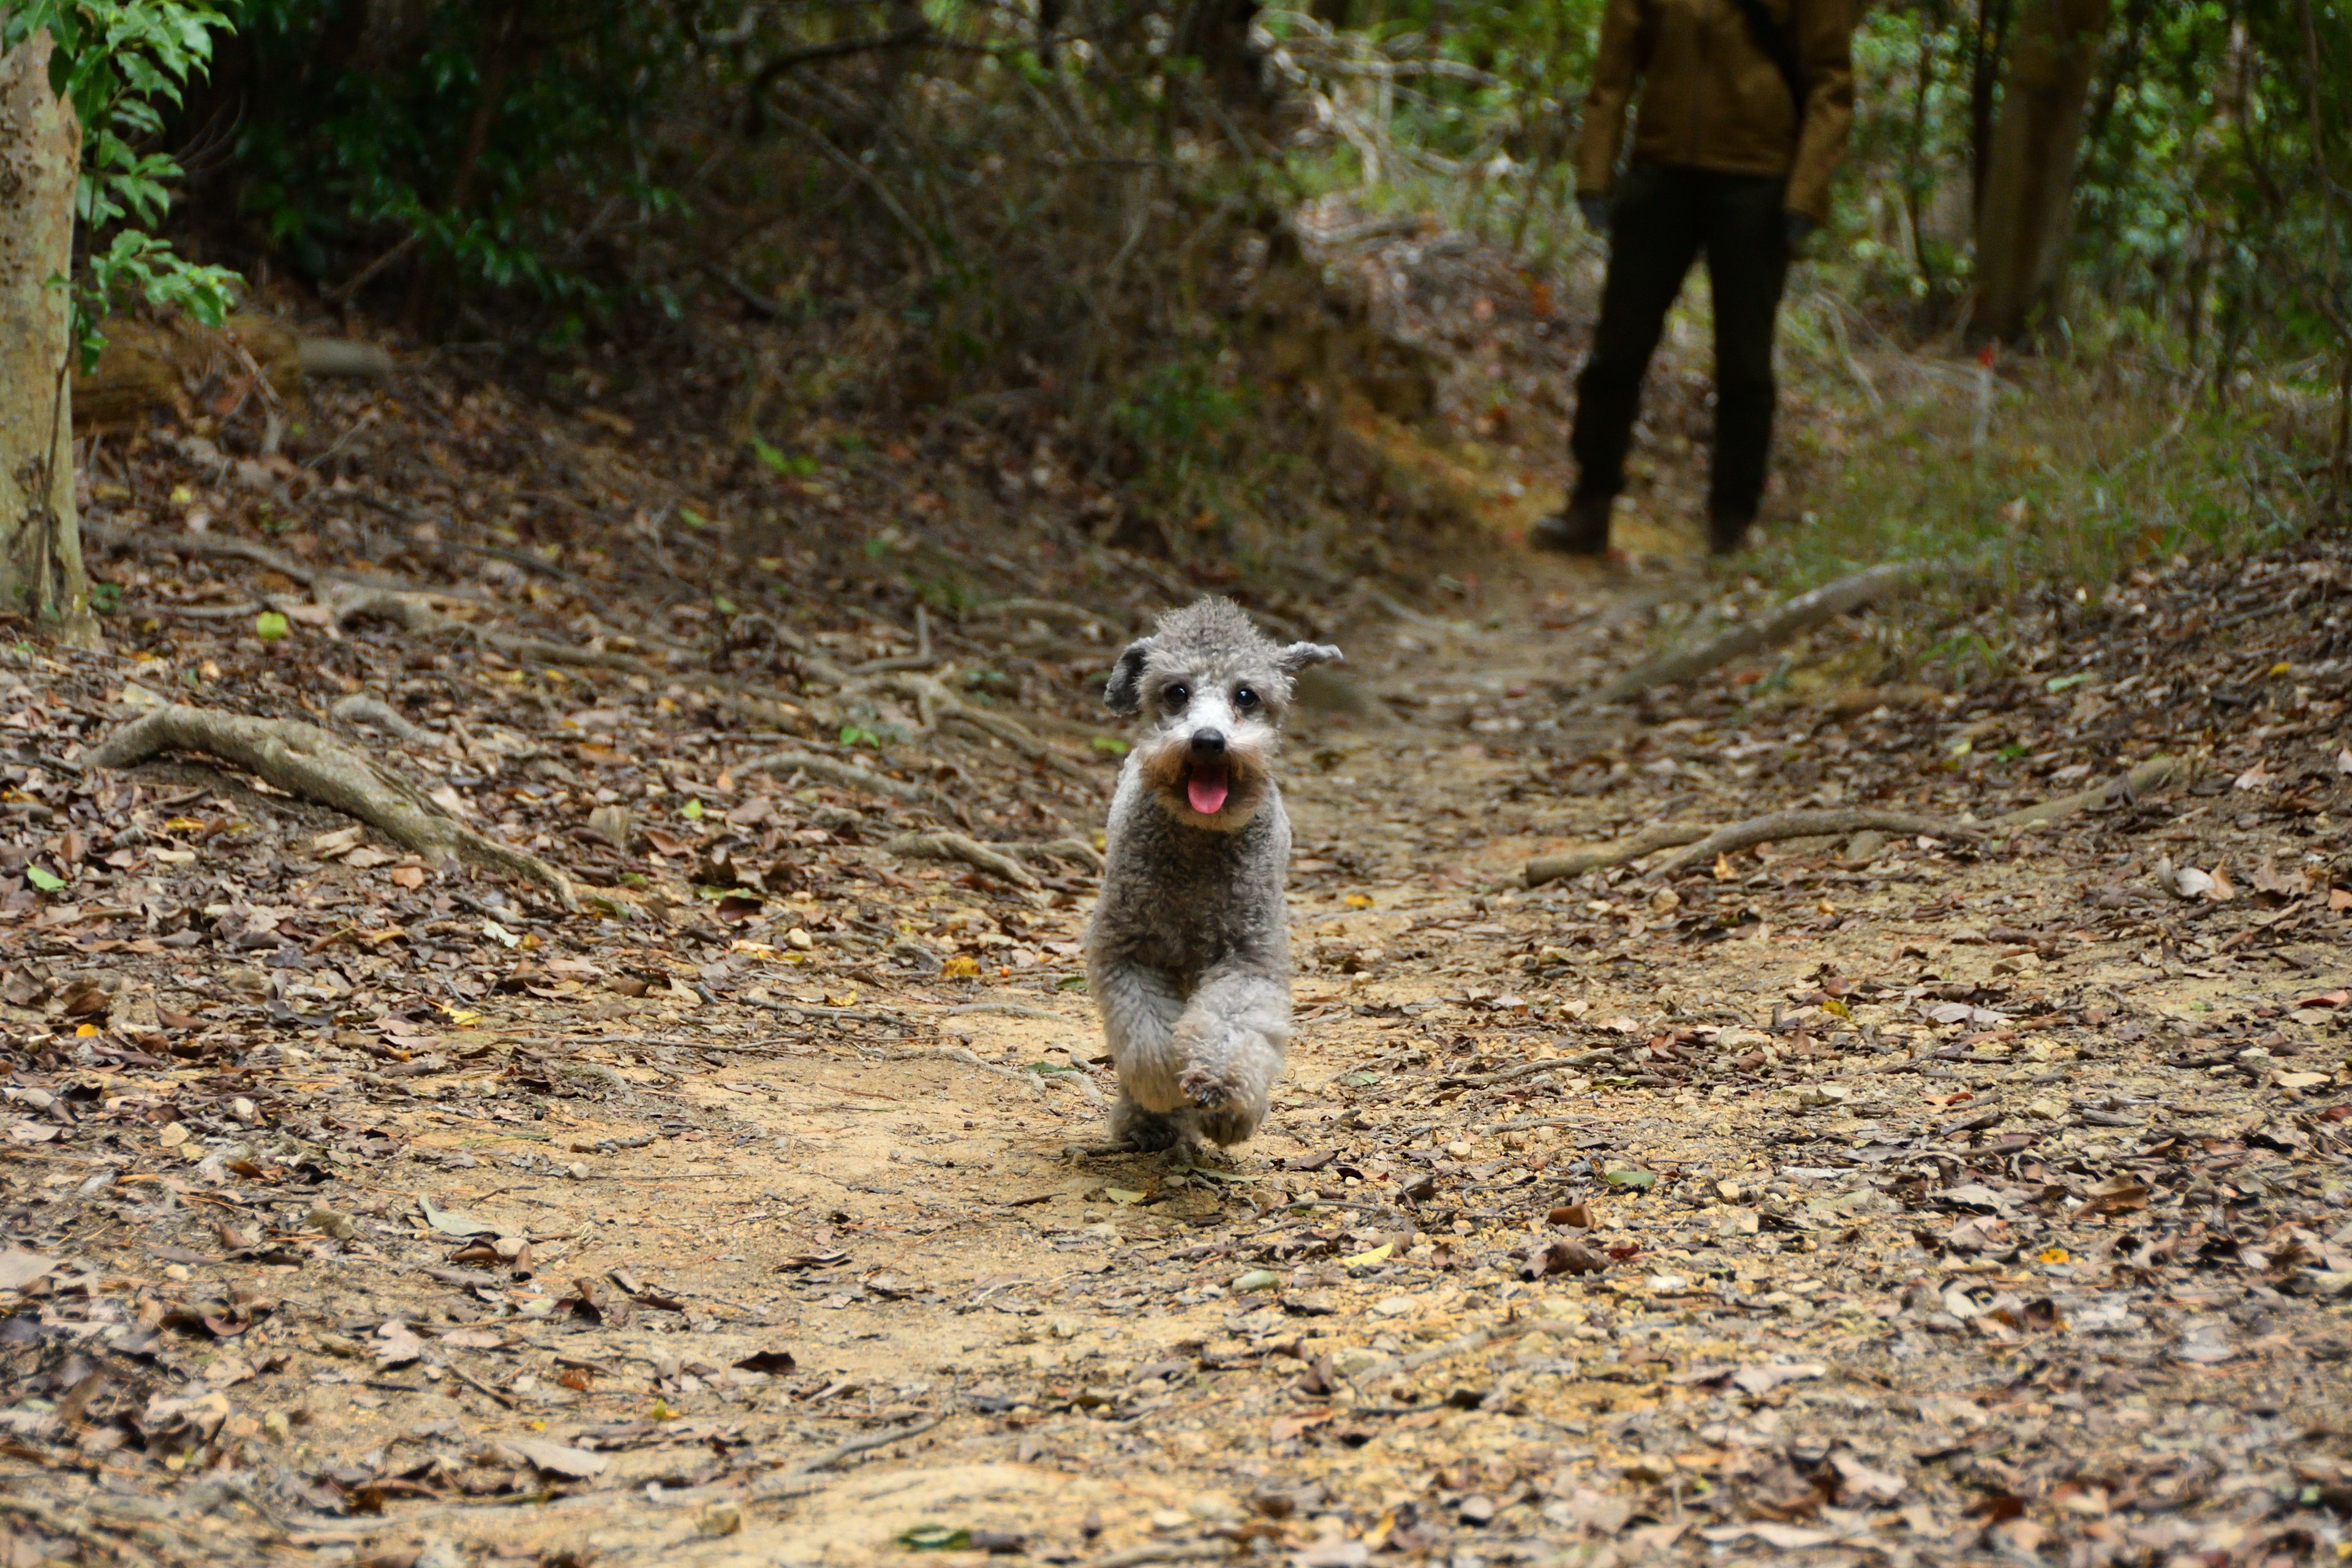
1206	791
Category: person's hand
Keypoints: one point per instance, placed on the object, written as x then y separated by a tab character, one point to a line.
1801	228
1596	213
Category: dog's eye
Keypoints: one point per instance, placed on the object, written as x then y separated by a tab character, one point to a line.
1244	698
1177	696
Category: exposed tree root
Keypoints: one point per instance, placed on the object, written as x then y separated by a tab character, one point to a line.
1705	843
2154	774
1779	825
1076	850
936	704
305	760
1576	862
1772	629
987	857
356	597
849	776
229	547
372	710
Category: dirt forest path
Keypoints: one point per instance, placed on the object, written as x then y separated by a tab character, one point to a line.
1896	1199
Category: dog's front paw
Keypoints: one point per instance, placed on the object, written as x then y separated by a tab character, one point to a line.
1144	1131
1233	1123
1205	1090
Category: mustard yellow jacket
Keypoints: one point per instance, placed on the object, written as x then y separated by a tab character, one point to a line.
1712	99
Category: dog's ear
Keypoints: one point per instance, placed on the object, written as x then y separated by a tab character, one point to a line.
1299	655
1124	694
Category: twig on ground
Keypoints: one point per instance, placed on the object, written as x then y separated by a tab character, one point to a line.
811	1010
305	760
1779	825
953	1054
1771	628
1576	862
1525	1070
856	1445
477	1385
1012	1009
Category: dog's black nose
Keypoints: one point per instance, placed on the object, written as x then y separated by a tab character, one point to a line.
1208	742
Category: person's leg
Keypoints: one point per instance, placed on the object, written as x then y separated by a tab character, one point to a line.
1747	265
1654	236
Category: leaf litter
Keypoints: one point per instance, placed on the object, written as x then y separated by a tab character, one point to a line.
1884	1196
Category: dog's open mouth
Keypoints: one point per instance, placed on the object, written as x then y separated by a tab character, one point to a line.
1206	786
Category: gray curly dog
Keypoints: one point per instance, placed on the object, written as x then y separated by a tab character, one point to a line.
1188	954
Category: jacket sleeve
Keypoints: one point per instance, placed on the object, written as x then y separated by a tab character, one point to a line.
1825	48
1616	63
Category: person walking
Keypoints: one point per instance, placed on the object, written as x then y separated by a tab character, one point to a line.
1745	106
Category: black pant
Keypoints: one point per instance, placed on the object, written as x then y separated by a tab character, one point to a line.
1662	217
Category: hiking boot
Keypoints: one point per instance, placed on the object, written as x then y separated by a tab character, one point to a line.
1726	532
1581	529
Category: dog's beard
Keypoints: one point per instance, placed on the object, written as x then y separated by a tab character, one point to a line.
1206	785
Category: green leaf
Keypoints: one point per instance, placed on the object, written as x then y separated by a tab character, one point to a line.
935	1538
2061	682
1111	743
48	881
1641	1181
271	627
694	810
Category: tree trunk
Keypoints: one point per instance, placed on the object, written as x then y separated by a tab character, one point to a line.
40	156
2036	144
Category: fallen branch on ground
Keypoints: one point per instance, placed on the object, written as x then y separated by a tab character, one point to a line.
990	859
1010	1009
856	1445
305	760
1771	628
1778	825
1525	1070
1576	862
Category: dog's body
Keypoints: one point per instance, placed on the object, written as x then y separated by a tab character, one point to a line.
1188	954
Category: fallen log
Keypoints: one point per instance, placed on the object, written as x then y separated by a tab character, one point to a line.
305	760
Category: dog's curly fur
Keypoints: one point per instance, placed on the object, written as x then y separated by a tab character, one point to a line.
1188	956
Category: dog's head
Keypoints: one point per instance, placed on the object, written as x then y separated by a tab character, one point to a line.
1212	690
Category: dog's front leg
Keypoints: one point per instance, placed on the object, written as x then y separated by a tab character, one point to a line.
1140	1008
1230	1039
